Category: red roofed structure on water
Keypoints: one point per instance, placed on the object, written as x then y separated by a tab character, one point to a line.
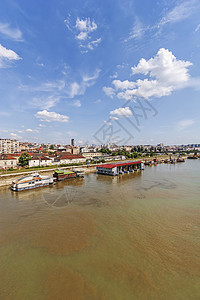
120	168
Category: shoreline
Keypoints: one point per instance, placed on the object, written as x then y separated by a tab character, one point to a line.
7	179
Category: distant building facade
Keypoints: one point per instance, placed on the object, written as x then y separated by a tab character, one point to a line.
9	146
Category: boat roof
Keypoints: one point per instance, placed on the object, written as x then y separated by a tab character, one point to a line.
111	166
65	172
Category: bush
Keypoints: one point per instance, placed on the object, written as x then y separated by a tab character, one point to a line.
10	169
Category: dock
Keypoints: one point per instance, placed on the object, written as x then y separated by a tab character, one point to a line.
120	168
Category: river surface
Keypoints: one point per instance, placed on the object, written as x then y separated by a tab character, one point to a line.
134	236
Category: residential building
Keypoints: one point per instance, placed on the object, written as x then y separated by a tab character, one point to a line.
8	161
9	146
90	155
71	158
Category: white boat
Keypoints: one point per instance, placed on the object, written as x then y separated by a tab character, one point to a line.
31	181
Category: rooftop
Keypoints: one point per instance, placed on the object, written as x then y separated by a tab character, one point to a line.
111	166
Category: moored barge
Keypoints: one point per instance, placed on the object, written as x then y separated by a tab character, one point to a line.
60	175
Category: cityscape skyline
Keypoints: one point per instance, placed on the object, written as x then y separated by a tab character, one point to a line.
74	71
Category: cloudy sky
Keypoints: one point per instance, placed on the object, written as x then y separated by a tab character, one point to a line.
125	71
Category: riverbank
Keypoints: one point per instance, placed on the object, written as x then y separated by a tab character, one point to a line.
7	179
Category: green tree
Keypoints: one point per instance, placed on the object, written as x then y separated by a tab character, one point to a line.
114	154
51	147
135	155
24	159
151	153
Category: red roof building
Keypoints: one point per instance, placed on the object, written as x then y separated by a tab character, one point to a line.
120	168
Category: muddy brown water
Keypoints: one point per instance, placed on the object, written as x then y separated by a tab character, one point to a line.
135	236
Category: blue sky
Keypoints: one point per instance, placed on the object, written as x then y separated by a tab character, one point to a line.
124	71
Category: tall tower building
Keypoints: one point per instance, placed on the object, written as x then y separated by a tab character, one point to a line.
72	142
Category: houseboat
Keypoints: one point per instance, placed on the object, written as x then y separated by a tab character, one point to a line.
60	175
31	181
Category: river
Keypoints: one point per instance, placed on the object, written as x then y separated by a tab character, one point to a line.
134	236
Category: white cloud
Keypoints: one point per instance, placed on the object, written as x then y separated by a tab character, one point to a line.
50	116
48	86
91	45
197	28
51	92
82	36
85	27
98	101
31	130
51	86
123	85
107	123
183	124
180	12
165	74
77	103
87	78
15	136
114	118
137	31
109	91
13	33
164	67
122	111
83	31
76	89
38	62
67	22
7	54
45	102
115	75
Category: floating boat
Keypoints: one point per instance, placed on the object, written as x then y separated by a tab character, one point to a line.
180	159
173	161
60	175
79	172
167	160
31	181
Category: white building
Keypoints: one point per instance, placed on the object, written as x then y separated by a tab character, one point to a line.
40	161
34	162
90	155
7	162
9	146
71	158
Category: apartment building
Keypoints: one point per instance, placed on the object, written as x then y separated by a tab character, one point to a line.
8	146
